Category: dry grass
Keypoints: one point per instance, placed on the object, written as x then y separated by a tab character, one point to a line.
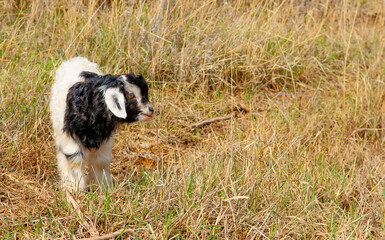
306	160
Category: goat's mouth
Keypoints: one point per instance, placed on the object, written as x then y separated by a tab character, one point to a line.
147	115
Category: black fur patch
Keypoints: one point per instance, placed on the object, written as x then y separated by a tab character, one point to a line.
117	103
87	117
141	83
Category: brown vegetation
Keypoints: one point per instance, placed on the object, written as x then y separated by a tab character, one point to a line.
301	157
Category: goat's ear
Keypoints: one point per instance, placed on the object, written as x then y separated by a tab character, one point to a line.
115	102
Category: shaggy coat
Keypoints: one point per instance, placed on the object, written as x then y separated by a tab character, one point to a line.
86	108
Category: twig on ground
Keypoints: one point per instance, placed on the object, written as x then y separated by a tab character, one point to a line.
211	120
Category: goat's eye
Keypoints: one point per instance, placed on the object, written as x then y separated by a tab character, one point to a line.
130	95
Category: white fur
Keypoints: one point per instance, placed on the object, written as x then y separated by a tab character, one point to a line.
111	95
72	171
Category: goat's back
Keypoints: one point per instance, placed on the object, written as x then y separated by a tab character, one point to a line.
66	76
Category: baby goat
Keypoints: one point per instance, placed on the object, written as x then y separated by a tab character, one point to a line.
86	107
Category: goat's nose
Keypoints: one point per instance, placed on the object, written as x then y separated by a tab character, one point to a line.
151	109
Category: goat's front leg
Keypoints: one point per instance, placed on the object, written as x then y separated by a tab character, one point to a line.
99	164
71	162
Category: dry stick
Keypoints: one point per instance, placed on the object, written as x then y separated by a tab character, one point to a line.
110	235
211	120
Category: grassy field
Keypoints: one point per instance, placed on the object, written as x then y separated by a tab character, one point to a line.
301	156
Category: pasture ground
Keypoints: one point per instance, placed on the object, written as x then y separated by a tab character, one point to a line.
300	158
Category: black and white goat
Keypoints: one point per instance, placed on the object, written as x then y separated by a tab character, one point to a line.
86	107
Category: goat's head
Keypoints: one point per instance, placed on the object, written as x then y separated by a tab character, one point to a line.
128	98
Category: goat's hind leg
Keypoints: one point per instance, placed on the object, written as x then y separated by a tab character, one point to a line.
71	162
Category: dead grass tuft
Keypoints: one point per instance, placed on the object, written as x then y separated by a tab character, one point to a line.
300	158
